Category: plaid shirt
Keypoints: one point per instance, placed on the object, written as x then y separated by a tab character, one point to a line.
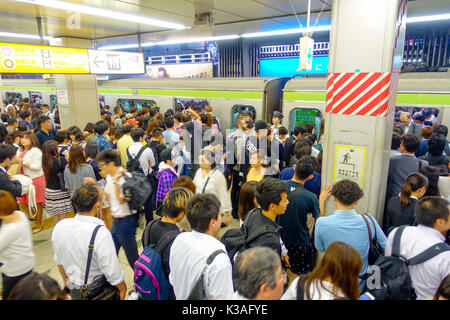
102	143
165	179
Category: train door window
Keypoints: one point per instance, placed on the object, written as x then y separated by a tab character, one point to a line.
13	96
190	102
239	108
126	104
35	97
309	117
53	101
424	116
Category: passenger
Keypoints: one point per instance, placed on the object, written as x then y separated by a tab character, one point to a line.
37	286
25	117
77	169
173	211
295	232
170	136
277	118
442	129
335	277
319	163
90	152
408	125
71	238
395	145
190	251
433	217
157	143
247	200
423	148
178	123
436	156
400	210
7	182
57	200
89	132
124	143
443	292
402	165
45	132
102	131
62	138
258	275
312	140
432	173
216	120
30	158
289	145
12	125
151	125
184	182
166	175
16	243
117	120
76	136
282	133
257	171
35	115
347	225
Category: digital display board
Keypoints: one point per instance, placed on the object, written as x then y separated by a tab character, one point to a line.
287	67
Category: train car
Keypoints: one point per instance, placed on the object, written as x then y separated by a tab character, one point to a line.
39	91
304	98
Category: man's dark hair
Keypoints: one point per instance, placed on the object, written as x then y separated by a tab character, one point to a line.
24	114
42	119
398	130
7	152
153	112
60	136
441	129
304	140
436	144
5	117
22	127
136	134
411	142
85	197
127	127
168	122
396	141
310	137
200	209
429	209
178	117
282	131
108	156
117	109
302	149
204	118
347	192
156	133
299	129
268	191
100	127
12	121
305	167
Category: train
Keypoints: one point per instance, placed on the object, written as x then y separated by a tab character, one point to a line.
299	99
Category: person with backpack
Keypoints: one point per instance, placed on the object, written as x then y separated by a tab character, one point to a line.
432	215
295	233
197	259
141	159
125	220
166	175
436	156
158	237
347	225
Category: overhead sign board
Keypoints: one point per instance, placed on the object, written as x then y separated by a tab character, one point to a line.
22	58
116	62
306	53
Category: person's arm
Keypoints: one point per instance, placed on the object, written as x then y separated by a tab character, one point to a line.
326	192
63	275
318	241
36	159
7	237
9	184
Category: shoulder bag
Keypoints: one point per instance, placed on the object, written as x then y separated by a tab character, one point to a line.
375	250
99	288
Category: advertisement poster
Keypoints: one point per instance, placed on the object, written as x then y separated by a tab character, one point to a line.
191	70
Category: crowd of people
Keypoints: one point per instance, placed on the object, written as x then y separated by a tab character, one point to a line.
285	248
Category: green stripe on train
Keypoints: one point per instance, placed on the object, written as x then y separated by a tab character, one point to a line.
202	93
402	98
33	88
115	90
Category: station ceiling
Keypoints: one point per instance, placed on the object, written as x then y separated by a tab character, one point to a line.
230	17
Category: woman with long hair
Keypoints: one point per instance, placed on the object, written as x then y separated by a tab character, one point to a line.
247	201
432	173
76	136
151	124
335	277
77	169
30	158
400	210
57	200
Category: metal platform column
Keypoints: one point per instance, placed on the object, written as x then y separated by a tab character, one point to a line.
366	45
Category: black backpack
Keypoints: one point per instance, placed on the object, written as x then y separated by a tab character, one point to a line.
136	190
394	271
236	240
133	164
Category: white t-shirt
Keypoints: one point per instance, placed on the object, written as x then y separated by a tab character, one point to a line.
117	210
16	247
317	292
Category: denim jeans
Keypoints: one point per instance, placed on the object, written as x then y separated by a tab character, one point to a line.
123	233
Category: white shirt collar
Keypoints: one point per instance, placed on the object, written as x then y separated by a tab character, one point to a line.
432	232
91	219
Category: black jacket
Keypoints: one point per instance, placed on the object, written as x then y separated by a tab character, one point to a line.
272	240
15	187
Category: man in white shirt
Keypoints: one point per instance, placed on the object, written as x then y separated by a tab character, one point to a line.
125	221
71	238
267	280
190	251
432	215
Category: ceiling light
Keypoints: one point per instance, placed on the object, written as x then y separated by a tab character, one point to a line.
110	14
24	36
429	18
284	32
203	39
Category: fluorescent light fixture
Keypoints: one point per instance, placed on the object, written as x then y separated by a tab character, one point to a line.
429	18
110	14
202	39
284	32
24	36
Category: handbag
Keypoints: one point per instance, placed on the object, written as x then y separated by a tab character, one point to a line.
99	288
375	250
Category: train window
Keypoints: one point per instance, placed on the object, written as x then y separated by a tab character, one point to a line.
53	101
239	108
305	117
126	104
423	116
35	97
189	102
11	96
